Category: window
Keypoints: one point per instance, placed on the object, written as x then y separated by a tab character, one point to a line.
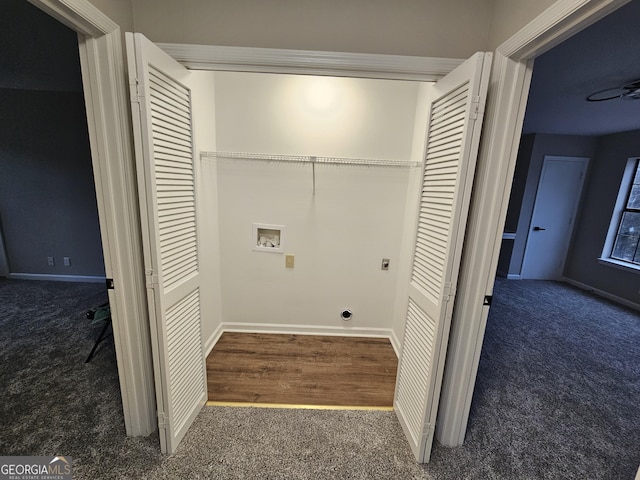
623	242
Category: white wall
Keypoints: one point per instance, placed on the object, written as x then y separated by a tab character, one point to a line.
120	11
509	16
411	215
203	98
309	115
340	235
437	28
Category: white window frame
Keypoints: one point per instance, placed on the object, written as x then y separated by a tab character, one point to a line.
616	218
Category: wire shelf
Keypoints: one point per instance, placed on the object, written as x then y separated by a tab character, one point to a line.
311	159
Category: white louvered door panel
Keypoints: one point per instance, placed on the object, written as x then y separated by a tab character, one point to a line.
453	135
162	114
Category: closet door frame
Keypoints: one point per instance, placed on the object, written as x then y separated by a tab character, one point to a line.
504	114
109	126
110	131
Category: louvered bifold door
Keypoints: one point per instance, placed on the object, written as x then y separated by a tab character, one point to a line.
162	117
453	135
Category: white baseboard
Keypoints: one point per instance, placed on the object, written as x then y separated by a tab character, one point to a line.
395	343
306	330
212	340
56	278
602	293
514	276
299	330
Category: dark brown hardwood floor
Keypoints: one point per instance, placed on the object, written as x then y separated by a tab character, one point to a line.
302	370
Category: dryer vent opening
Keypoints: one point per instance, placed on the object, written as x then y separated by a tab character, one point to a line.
346	314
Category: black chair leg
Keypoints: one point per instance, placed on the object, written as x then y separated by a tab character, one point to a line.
100	338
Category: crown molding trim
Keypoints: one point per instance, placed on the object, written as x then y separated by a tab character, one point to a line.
554	25
79	15
307	62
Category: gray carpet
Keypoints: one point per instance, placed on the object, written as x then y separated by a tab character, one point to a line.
558	389
53	402
556	398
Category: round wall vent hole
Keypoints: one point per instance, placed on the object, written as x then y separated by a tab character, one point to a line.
346	314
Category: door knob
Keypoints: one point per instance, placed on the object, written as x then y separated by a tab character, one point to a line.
537	229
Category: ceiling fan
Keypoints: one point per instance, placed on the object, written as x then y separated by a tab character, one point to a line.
630	91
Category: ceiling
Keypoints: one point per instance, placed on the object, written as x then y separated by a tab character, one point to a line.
605	55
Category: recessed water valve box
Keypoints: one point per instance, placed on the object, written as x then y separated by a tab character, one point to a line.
268	238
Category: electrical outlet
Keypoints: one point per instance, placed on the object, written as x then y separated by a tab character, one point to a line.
67	261
51	261
289	261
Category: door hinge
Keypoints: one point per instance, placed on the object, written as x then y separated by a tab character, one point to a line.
476	111
163	420
136	90
448	292
487	300
109	282
152	280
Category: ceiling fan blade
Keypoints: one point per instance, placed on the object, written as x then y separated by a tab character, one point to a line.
607	94
629	91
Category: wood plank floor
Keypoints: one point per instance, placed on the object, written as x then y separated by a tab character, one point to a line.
302	370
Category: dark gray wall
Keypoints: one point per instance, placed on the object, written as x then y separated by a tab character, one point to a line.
38	52
540	146
515	202
608	158
519	183
601	193
47	194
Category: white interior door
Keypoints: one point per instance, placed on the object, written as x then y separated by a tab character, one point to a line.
453	137
161	107
554	213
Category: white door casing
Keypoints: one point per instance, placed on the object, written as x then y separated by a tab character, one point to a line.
554	212
109	128
510	80
162	118
453	136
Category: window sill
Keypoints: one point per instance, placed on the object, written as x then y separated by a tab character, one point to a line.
628	267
